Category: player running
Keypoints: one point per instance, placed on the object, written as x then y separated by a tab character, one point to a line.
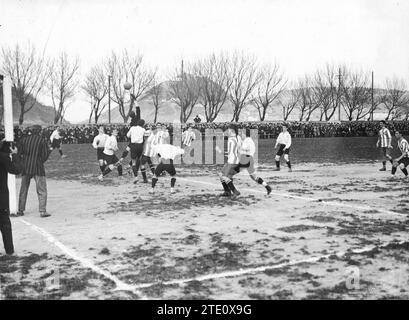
247	151
55	140
403	160
385	143
111	160
232	165
283	143
99	144
166	154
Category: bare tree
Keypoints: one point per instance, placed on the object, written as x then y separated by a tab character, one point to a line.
395	98
28	73
126	68
96	87
156	93
405	112
327	89
307	102
245	77
185	91
356	95
215	83
289	100
62	83
269	88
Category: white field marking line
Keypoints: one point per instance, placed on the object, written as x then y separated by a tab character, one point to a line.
308	199
245	271
120	285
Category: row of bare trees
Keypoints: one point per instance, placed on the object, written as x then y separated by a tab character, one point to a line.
31	74
122	68
234	82
219	80
332	90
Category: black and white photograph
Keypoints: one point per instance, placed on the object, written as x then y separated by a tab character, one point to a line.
232	151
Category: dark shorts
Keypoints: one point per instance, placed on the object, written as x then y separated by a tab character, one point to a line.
404	161
145	159
247	162
168	167
100	154
385	151
136	150
110	159
281	150
56	143
229	170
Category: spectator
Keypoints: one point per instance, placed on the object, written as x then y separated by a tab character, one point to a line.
34	152
197	119
12	166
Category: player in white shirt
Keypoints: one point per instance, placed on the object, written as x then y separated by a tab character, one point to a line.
232	166
283	143
385	143
136	134
247	151
99	144
166	154
111	160
55	140
403	160
148	153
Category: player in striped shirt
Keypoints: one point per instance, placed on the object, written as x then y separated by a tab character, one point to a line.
403	160
162	135
99	144
188	136
148	153
55	140
232	166
385	143
111	160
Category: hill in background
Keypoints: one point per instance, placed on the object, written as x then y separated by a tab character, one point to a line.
39	114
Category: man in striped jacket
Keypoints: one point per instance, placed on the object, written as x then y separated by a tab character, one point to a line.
34	152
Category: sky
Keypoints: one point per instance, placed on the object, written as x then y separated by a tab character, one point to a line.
299	35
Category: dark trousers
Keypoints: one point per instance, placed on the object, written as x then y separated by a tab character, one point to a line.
6	231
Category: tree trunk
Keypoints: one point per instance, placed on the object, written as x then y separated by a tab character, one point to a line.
263	116
21	117
156	114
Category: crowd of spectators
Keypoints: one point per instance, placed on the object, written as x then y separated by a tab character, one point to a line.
73	134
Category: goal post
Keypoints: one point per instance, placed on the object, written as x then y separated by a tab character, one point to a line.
9	135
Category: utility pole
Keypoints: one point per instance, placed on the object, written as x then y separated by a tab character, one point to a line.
109	99
181	72
339	92
372	99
